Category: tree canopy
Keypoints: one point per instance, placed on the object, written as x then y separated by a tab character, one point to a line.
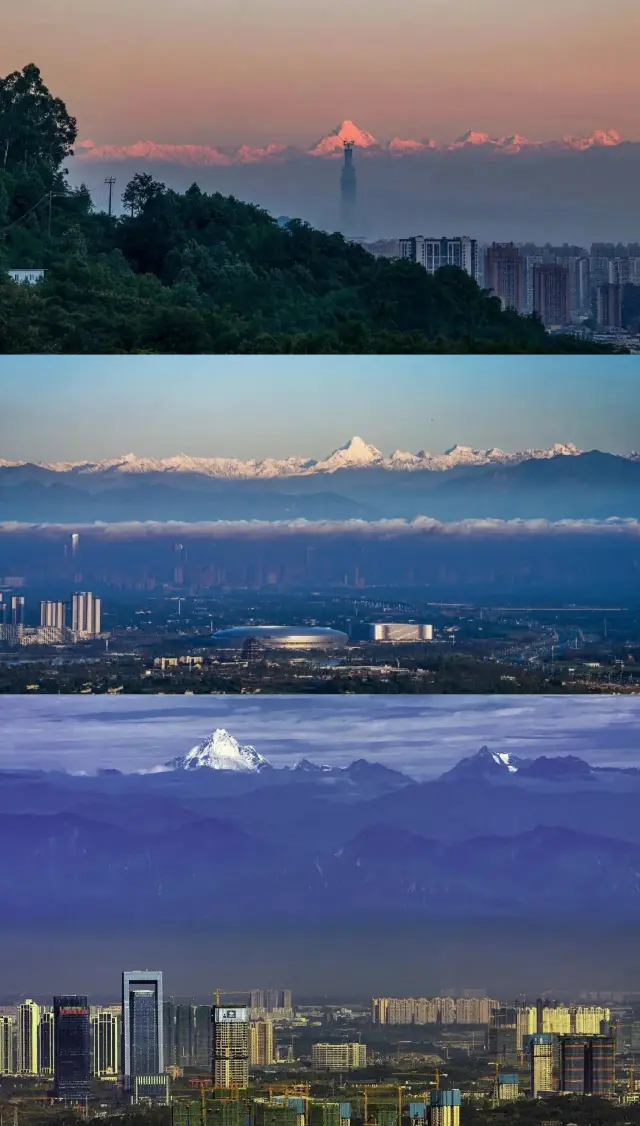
195	272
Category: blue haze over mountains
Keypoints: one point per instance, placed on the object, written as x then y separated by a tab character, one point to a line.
591	485
431	852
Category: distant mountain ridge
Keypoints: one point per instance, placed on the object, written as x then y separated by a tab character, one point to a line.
498	835
332	145
354	454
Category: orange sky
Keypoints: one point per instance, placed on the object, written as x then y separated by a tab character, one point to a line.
232	71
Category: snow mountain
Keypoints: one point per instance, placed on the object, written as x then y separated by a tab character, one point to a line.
331	146
485	765
220	751
354	454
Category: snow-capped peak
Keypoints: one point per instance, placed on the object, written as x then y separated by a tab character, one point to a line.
335	140
220	751
356	452
501	758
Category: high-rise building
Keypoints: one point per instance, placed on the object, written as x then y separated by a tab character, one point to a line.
444	1108
53	614
105	1044
202	1045
609	305
587	1064
46	1042
230	1047
504	274
27	1038
542	1062
72	1047
261	1043
600	1069
17	610
503	1034
142	1024
348	188
338	1057
85	614
552	294
434	253
7	1045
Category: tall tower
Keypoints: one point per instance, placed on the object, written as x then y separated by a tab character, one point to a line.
72	1047
142	1025
230	1047
348	193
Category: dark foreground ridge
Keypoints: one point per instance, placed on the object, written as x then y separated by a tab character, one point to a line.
197	273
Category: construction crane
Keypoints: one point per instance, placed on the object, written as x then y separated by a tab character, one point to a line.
381	1087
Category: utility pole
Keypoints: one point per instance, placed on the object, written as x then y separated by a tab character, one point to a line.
50	209
110	181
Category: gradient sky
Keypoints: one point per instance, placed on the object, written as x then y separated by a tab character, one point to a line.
420	735
73	408
288	71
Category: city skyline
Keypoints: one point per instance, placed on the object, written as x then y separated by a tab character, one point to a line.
228	87
78	732
279	407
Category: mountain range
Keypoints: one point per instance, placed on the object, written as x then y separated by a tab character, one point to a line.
356	453
355	482
496	836
332	145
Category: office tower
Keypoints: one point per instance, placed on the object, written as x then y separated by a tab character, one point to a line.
434	253
504	274
587	1064
572	1064
600	1065
85	614
46	1042
230	1047
552	294
7	1046
272	999
261	1043
72	1047
27	1038
503	1034
542	1062
202	1046
444	1108
53	614
287	1000
609	306
142	1025
257	999
75	543
17	610
338	1057
348	193
105	1044
182	1035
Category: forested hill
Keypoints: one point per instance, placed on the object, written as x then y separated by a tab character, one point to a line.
192	272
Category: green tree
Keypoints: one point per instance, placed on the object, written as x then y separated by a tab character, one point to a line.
35	127
140	191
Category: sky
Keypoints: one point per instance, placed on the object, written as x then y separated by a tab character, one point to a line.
281	70
421	736
72	408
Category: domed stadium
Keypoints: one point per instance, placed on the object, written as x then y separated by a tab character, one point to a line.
280	637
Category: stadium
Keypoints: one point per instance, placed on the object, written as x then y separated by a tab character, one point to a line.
280	637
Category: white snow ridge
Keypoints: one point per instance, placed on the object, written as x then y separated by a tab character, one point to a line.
220	751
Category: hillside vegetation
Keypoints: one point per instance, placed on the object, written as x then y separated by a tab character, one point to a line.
197	272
